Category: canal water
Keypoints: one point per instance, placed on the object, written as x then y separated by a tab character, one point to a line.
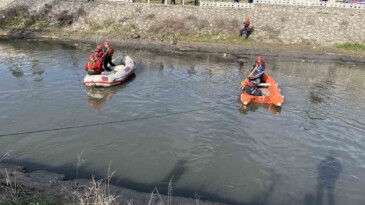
179	117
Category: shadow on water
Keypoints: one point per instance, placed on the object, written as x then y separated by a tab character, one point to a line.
322	89
17	72
328	170
98	96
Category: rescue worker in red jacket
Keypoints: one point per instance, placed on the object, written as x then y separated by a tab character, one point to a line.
99	54
108	52
93	67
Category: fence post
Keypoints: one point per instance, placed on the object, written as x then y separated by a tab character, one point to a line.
148	1
183	2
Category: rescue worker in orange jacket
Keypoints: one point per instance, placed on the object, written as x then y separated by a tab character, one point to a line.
108	52
93	67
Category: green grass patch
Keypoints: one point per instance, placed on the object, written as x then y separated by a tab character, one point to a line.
214	38
352	47
30	22
96	28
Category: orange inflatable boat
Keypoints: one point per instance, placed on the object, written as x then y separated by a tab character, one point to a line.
270	93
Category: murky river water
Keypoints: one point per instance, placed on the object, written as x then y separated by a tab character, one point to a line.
180	117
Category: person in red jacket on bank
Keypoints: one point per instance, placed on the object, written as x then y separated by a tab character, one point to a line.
93	67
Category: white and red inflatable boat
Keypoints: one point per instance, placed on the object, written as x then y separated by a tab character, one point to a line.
125	67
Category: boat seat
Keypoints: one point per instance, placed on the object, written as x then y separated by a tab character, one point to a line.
265	91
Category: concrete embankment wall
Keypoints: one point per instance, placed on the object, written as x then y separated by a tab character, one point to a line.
273	23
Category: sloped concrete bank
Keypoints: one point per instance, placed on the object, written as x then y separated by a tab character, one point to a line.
292	32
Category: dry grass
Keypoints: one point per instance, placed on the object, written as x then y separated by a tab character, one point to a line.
155	198
169	193
12	188
97	191
12	192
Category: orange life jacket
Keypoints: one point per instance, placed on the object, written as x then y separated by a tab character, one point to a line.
91	65
247	24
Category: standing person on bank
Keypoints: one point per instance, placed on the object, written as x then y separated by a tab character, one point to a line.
108	52
246	26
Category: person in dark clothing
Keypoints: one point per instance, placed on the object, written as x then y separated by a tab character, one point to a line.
251	89
196	2
246	26
259	64
172	2
108	52
249	31
258	68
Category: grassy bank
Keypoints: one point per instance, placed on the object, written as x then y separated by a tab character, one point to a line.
355	47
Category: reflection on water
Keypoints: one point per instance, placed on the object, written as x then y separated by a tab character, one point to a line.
256	106
98	96
189	125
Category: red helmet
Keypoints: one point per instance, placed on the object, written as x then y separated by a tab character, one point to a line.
106	43
99	47
92	57
259	59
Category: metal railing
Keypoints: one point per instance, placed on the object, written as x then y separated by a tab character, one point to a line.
360	4
163	2
226	4
312	3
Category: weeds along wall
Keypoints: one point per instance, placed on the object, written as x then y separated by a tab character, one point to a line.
273	23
